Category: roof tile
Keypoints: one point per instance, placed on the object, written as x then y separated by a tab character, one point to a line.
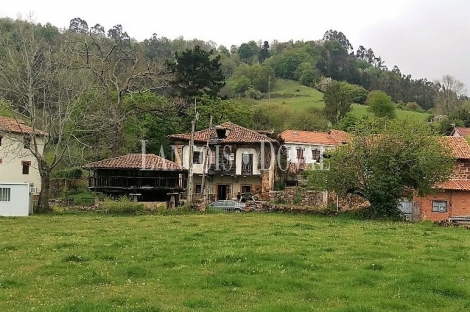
465	132
136	161
462	185
458	145
17	126
236	134
332	137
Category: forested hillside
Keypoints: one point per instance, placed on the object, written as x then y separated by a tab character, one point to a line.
99	92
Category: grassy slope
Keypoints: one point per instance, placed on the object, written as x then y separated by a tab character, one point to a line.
300	97
236	262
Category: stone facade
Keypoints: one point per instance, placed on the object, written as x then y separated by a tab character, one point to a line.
298	196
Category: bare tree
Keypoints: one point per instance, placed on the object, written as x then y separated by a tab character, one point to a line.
118	66
450	93
42	85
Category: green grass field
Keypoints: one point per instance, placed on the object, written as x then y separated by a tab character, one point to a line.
230	262
299	97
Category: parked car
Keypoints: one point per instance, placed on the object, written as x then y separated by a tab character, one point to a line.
248	196
228	205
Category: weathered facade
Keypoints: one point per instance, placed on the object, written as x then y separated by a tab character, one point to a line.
147	177
238	160
453	196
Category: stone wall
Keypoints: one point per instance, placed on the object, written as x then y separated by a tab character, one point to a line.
298	196
300	199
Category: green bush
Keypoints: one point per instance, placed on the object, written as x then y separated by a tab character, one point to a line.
279	185
298	198
122	206
72	173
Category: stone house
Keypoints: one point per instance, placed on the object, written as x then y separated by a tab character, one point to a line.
238	160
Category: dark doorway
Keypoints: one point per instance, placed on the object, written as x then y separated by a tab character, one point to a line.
223	191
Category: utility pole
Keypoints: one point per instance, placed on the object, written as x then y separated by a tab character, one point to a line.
206	162
269	89
191	155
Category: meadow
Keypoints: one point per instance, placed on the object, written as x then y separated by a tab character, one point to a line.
230	262
298	97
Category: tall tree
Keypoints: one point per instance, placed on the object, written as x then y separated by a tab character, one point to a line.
263	52
78	25
333	35
247	51
337	102
449	96
119	68
196	72
42	84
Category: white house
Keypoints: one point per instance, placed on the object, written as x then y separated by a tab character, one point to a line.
240	160
305	148
17	163
15	200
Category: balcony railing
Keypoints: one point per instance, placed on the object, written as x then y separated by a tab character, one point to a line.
125	182
247	168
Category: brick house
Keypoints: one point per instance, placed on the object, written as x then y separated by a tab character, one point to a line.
239	160
453	198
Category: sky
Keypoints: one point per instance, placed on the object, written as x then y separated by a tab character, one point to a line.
424	38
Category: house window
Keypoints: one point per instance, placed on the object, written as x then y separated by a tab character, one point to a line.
5	194
197	157
26	165
300	153
247	163
246	188
316	154
27	141
439	206
198	189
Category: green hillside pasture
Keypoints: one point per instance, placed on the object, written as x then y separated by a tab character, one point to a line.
230	262
299	98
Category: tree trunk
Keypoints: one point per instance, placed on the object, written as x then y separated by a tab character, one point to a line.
44	172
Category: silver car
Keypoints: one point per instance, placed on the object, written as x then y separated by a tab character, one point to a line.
228	205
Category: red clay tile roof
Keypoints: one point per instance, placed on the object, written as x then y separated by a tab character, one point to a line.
17	126
458	145
462	185
462	131
136	161
236	134
309	137
340	136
